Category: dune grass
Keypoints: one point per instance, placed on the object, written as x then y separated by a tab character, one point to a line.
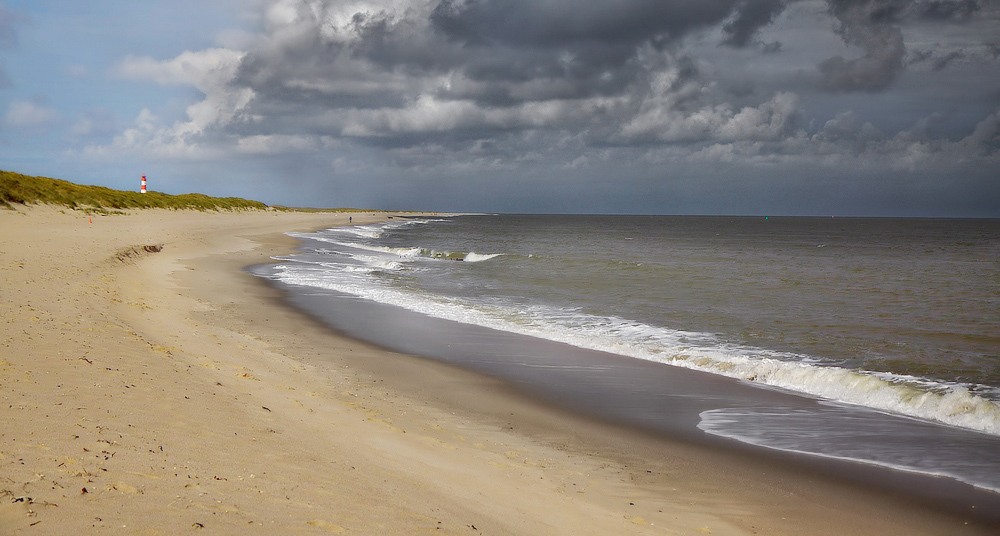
16	188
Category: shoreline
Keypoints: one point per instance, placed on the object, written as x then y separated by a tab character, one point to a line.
946	494
256	417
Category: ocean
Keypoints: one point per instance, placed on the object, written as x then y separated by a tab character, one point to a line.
870	340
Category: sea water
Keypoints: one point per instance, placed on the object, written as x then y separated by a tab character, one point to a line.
874	340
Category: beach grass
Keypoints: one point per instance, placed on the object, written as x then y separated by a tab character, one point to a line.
18	189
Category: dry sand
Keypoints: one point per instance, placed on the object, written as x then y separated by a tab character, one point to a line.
170	392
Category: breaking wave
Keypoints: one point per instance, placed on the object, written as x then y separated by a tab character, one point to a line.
948	403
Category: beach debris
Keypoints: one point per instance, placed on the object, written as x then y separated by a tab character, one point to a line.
152	248
198	525
267	408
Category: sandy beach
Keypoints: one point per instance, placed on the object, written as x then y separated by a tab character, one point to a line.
148	385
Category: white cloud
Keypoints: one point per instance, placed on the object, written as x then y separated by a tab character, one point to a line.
147	138
27	114
211	72
769	121
681	111
204	69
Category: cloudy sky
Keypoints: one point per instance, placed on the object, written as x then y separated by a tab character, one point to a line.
816	107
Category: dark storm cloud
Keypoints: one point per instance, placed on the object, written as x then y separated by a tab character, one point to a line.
530	50
943	62
590	48
478	66
556	23
552	88
751	16
875	27
466	61
507	52
772	47
870	25
920	56
939	10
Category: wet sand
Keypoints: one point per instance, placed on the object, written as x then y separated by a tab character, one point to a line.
147	392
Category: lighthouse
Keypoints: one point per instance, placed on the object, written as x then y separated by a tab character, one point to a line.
142	185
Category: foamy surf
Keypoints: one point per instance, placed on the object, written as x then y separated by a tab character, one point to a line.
883	333
945	403
414	252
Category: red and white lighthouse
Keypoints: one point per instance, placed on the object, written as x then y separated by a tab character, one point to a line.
142	185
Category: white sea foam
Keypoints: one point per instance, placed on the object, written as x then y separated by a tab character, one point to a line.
951	404
371	231
377	262
411	252
367	231
403	253
477	257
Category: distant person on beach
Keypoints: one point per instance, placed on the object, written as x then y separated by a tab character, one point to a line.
350	219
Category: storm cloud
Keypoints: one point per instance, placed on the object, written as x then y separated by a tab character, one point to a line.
875	26
455	86
750	17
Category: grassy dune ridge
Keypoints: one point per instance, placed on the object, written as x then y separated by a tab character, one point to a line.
19	189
